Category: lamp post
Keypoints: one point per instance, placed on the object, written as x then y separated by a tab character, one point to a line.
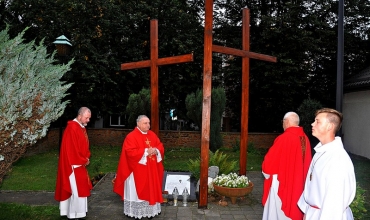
63	46
340	58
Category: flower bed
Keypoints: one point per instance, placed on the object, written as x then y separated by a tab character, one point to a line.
232	185
232	180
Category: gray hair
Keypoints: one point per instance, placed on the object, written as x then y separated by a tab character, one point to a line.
82	110
140	117
292	117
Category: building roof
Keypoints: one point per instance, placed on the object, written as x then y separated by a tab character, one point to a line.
358	82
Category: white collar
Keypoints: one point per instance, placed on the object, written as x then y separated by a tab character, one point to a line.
78	123
326	147
142	131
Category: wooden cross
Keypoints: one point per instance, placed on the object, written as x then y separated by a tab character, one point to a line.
153	63
246	55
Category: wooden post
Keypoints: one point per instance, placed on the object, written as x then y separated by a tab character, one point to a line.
206	110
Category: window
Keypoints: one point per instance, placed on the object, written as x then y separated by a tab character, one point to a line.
117	120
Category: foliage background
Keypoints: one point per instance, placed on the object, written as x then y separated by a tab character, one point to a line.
301	34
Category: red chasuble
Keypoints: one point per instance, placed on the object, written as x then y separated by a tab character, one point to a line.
291	162
74	151
149	177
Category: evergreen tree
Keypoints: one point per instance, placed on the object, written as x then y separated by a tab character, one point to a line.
218	98
194	107
31	93
138	104
193	103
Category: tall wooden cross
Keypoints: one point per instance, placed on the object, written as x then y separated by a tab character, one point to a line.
207	72
153	63
246	55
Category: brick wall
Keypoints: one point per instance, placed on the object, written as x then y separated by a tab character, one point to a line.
115	137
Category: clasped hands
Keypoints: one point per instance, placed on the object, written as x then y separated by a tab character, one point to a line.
152	151
87	163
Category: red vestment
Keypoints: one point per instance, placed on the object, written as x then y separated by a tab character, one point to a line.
290	159
148	177
74	151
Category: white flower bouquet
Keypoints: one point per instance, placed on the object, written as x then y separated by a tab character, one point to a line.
231	180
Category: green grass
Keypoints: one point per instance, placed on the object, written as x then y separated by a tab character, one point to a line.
10	211
362	167
33	173
38	172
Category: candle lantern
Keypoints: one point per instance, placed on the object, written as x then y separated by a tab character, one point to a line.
175	194
185	195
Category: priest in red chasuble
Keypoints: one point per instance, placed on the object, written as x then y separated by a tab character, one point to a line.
285	167
73	183
140	172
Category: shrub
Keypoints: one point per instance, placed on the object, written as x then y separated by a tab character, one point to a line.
358	204
223	162
219	159
31	95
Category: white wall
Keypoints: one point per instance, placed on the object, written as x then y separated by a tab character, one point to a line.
356	123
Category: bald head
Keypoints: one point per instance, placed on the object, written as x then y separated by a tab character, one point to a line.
83	115
290	119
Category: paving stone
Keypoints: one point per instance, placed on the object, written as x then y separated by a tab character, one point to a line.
105	204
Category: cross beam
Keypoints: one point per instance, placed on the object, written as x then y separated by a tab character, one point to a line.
242	53
153	63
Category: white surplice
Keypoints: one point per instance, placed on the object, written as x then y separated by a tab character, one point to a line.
272	209
74	206
132	205
332	186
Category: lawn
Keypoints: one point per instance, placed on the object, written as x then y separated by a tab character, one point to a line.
38	172
9	211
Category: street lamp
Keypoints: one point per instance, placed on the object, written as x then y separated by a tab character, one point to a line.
63	45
